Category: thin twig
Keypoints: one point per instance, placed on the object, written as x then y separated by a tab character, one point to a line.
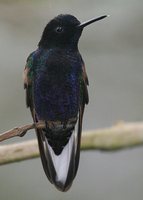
20	131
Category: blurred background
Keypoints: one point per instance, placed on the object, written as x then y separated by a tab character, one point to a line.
113	53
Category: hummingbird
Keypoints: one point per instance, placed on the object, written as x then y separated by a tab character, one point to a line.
56	83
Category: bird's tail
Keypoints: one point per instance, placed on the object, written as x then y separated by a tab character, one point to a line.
59	148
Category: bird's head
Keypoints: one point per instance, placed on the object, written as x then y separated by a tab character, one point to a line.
63	31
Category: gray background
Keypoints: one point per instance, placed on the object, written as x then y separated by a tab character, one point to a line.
113	53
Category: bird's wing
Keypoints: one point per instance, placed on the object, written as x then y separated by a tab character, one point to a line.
85	84
27	78
84	100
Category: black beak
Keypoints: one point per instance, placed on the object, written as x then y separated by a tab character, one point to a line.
82	25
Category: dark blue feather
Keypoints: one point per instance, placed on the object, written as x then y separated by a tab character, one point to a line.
56	84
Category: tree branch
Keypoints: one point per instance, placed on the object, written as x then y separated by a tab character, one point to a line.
120	136
20	131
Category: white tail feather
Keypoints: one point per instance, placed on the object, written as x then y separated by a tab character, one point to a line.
61	162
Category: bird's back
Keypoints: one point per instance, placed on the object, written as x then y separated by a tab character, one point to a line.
56	90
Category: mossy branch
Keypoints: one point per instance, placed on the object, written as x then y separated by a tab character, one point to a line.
123	135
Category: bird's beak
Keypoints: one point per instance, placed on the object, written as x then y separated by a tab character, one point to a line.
82	25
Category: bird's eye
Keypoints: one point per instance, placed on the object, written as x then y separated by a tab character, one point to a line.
59	29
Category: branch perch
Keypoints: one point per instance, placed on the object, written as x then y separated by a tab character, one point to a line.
20	131
123	135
